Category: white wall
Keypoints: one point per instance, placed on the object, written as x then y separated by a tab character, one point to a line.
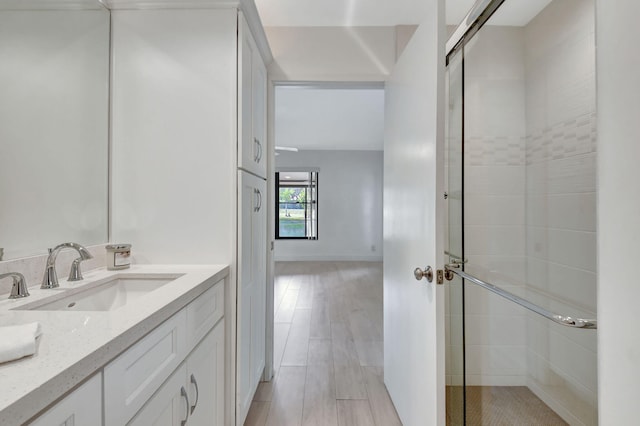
349	206
331	53
618	67
174	134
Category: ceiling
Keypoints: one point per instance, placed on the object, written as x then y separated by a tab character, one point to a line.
317	118
316	13
311	118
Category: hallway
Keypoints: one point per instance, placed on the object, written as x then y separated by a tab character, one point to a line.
328	349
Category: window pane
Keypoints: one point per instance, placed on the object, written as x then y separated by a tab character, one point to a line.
297	215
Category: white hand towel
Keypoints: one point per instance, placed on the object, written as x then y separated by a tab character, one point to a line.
17	341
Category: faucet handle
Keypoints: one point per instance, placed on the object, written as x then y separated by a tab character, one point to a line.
75	274
19	288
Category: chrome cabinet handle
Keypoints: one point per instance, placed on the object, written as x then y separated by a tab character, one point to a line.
195	383
183	393
258	155
258	205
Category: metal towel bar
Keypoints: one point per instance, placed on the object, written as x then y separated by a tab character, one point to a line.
560	319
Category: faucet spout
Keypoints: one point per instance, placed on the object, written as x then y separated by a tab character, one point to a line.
50	279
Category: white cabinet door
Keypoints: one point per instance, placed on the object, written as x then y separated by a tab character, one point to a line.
259	111
251	289
205	380
168	406
252	90
81	407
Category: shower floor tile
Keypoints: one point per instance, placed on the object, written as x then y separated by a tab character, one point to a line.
499	406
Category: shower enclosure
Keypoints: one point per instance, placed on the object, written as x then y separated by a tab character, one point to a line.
521	199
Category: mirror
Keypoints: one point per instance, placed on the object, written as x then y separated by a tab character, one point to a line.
54	124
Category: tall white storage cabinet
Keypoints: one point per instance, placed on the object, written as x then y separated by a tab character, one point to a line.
252	220
189	157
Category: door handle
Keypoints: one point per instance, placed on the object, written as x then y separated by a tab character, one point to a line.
423	273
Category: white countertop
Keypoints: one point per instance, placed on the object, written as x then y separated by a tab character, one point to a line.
75	345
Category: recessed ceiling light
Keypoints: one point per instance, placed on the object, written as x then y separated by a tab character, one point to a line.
287	177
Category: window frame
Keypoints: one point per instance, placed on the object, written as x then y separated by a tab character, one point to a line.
314	202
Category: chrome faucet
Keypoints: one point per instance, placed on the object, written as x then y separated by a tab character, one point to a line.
19	288
50	279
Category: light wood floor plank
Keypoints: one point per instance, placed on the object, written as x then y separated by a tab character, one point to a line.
280	335
349	379
257	414
288	397
297	348
288	306
370	353
320	353
320	318
327	348
320	397
384	413
354	413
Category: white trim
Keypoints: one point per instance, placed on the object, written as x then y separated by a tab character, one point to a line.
329	258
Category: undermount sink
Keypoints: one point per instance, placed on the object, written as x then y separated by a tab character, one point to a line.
104	295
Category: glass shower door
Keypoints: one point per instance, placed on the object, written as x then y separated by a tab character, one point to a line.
521	199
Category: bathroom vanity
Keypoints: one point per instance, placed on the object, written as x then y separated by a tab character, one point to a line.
157	355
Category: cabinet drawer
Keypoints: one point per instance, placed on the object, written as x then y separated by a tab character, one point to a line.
204	312
131	379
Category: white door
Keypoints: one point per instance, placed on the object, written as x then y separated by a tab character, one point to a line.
413	227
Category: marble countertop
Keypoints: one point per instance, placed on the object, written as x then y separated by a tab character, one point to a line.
75	345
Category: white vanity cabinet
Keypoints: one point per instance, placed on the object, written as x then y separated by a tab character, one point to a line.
193	394
175	374
83	406
252	105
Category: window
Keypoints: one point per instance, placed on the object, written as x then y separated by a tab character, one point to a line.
297	207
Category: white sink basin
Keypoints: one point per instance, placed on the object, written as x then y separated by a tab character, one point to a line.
103	295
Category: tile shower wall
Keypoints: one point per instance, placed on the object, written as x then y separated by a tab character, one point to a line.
561	204
494	206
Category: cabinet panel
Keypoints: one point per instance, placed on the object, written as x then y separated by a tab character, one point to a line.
81	407
205	380
134	376
168	406
204	312
252	96
251	289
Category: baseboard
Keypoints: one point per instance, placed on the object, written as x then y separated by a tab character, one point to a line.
329	258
